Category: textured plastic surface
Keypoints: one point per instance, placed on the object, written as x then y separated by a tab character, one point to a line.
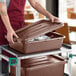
38	28
35	30
41	66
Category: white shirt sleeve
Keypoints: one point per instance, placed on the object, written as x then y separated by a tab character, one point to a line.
2	0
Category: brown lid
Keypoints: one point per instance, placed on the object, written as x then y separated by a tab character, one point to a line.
40	60
34	61
38	28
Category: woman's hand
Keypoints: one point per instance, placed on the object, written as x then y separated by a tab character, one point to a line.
36	5
53	18
5	18
10	35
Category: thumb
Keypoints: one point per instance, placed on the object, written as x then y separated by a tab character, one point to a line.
52	20
16	35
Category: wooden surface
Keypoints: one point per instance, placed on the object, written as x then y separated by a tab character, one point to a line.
65	31
72	29
69	10
73	15
29	16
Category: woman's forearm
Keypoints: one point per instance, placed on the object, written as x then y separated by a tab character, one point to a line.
6	22
40	9
5	18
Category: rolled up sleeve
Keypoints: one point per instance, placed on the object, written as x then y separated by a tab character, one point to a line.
2	0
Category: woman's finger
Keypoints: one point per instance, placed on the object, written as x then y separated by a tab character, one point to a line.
52	19
56	19
16	35
11	39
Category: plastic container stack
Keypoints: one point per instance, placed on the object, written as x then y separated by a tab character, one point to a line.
41	66
39	37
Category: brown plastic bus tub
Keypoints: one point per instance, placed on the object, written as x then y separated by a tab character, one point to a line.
41	66
34	30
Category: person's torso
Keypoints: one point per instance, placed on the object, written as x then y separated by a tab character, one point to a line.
15	12
16	16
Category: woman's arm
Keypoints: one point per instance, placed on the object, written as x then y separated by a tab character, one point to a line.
6	21
43	11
